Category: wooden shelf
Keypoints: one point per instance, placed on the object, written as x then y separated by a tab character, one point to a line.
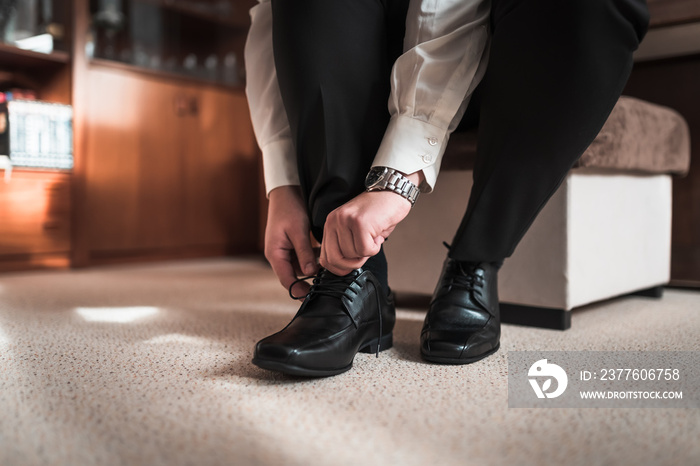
236	19
101	62
16	57
22	169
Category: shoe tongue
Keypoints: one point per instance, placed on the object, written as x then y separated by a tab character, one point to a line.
467	268
326	274
320	304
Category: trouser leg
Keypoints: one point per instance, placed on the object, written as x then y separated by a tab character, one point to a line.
556	69
333	61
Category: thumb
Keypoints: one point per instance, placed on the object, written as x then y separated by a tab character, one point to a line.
305	253
374	247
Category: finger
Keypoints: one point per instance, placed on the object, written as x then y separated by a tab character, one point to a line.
304	252
356	237
366	245
346	228
352	233
346	243
344	267
283	266
333	260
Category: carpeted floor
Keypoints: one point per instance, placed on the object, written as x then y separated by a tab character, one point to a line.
150	365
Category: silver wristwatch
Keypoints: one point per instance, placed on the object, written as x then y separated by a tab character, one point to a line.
388	179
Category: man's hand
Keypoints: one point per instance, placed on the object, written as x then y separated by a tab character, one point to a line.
287	242
355	231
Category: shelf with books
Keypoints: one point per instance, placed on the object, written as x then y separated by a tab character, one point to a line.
35	182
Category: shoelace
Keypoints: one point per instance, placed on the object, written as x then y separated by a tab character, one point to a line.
468	279
326	283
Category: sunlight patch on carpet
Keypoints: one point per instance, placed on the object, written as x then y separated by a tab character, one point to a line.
119	315
178	338
4	339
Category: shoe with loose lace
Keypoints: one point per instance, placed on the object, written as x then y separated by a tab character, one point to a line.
340	317
463	322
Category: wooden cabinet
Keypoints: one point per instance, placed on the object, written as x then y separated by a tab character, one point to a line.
165	161
35	223
35	205
169	168
221	172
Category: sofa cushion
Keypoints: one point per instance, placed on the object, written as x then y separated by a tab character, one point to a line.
637	137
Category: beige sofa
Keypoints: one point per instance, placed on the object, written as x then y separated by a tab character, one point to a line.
606	232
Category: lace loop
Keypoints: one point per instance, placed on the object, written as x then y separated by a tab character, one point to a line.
466	278
299	280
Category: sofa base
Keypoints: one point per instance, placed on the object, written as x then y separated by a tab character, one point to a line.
602	235
518	314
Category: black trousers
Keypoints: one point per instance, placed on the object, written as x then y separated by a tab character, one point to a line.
556	69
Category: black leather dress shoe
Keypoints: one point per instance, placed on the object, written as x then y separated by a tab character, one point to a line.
340	317
463	323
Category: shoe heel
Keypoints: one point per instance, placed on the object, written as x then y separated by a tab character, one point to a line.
386	341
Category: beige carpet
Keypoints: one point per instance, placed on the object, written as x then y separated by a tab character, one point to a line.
150	365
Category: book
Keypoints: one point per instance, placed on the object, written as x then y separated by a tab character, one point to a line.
41	134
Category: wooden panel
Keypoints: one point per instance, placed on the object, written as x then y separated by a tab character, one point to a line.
674	83
133	162
671	12
161	176
221	172
80	253
111	163
56	86
35	213
164	167
167	165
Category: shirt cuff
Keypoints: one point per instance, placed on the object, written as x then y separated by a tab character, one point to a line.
410	145
279	164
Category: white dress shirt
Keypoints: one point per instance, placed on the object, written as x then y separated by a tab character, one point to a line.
445	54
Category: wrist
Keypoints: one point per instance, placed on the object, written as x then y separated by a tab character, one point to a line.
417	178
285	192
392	180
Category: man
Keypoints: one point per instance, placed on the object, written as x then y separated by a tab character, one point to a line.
338	165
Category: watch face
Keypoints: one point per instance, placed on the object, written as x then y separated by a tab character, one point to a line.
374	176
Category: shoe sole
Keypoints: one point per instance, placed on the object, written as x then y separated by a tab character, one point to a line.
456	361
291	369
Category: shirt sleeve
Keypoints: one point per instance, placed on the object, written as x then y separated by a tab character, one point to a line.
267	113
445	55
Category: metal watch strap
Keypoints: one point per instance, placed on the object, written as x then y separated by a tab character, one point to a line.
393	180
